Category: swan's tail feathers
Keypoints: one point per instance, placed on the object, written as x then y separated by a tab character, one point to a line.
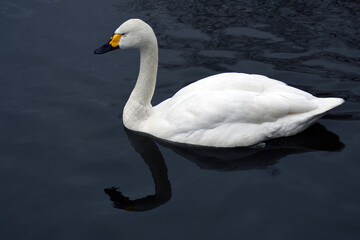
325	104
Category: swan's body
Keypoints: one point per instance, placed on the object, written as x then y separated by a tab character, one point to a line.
224	110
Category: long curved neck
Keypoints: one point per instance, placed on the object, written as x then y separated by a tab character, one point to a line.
138	107
145	84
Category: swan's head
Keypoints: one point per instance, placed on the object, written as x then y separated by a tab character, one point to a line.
133	33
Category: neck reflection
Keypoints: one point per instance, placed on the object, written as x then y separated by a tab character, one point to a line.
152	156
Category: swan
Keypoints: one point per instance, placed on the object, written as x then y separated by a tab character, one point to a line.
222	110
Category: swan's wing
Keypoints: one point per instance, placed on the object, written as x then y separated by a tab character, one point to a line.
238	97
226	115
206	109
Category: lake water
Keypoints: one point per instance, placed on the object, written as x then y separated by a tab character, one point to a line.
69	169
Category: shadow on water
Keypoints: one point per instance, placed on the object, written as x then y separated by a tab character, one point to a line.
315	138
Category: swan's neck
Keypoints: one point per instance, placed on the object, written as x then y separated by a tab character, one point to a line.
138	107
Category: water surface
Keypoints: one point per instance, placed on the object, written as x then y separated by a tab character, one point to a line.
63	142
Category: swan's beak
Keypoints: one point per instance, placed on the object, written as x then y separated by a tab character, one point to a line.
111	45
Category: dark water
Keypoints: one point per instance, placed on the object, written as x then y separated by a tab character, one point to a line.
63	143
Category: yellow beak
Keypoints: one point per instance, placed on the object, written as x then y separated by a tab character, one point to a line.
115	39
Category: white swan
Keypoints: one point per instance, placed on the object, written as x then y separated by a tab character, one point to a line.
223	110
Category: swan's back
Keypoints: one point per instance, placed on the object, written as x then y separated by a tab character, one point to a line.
235	109
226	81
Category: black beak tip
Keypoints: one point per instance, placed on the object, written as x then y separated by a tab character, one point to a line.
104	49
98	51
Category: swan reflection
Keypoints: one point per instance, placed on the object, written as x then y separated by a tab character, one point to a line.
315	138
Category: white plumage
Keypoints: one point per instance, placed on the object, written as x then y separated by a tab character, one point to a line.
223	110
